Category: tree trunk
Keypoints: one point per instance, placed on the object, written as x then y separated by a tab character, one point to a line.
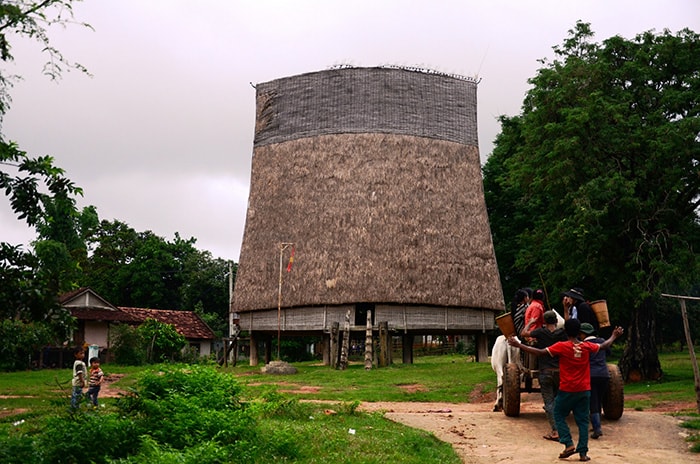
640	360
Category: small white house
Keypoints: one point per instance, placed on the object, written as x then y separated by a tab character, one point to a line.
97	318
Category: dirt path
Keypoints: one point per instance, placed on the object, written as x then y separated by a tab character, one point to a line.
481	436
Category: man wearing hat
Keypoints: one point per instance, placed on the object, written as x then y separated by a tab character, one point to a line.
548	366
600	377
575	307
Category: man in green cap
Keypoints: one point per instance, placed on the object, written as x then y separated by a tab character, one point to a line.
600	377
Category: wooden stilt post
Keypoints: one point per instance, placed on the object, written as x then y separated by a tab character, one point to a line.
346	343
335	331
482	347
326	349
384	344
689	342
368	341
253	361
407	348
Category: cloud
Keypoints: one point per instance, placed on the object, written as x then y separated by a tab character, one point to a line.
161	137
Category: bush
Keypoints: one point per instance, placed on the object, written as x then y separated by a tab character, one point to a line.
18	449
183	407
128	346
163	343
19	341
466	348
87	437
151	342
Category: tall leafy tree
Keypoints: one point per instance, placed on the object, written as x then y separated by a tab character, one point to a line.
40	194
596	184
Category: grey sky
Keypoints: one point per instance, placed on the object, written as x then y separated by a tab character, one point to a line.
161	137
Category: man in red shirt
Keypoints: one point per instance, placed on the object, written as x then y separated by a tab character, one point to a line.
574	383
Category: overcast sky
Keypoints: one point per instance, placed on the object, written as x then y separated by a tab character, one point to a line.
161	136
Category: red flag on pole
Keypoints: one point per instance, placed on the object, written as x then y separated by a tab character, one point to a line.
291	259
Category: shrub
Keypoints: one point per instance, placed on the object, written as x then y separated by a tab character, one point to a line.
19	341
128	346
163	343
87	437
181	407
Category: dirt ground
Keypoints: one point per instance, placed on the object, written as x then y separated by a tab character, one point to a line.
481	436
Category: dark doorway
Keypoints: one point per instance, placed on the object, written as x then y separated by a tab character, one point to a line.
361	310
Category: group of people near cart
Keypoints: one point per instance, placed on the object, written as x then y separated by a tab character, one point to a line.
571	363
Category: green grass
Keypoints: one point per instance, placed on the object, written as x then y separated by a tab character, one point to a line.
305	433
676	385
448	378
345	436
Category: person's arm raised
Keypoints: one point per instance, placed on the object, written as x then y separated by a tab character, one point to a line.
615	334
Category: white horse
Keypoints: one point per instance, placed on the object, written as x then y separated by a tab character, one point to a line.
502	354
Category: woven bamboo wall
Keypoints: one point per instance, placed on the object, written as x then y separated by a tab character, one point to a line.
413	319
366	100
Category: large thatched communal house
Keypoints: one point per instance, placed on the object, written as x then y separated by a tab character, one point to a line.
373	175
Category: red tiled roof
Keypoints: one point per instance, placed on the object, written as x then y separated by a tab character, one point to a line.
91	314
187	323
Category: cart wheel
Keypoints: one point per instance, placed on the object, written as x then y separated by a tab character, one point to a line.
614	401
511	390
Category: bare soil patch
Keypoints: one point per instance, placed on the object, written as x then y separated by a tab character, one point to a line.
412	388
302	390
109	391
12	412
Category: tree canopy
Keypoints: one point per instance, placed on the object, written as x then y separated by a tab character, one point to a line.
72	247
38	191
131	268
596	183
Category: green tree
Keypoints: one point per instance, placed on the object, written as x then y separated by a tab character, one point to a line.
163	343
38	191
41	196
19	341
596	183
216	323
206	283
141	269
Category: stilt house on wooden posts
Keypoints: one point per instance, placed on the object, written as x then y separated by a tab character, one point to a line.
373	175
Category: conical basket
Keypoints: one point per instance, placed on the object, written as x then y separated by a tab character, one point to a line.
505	323
600	308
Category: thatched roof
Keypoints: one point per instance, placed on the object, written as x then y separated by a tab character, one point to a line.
376	215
